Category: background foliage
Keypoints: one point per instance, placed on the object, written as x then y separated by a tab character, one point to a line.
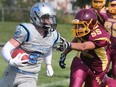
18	10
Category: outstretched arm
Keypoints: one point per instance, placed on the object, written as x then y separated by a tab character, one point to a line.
75	45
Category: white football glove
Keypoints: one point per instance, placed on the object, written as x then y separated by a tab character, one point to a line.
49	70
17	61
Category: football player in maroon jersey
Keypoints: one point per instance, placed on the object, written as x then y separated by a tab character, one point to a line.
110	25
99	7
92	41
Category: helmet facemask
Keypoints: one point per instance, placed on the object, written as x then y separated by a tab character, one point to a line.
48	22
80	28
98	4
112	7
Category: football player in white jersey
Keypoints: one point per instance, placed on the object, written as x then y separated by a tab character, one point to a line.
37	40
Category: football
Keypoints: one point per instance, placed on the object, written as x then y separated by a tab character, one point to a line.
17	51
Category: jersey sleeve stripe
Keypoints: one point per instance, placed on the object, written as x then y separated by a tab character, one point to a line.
26	31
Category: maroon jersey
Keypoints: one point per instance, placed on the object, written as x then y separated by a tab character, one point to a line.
110	24
96	59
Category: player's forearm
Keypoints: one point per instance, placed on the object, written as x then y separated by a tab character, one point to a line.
6	50
48	57
67	51
83	46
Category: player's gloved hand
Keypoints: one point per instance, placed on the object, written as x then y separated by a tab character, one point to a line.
64	45
17	62
61	61
49	70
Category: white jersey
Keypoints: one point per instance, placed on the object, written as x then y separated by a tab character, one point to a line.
33	43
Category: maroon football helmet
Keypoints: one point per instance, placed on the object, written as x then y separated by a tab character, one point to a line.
85	21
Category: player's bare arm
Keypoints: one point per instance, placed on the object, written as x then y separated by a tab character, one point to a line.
83	46
14	42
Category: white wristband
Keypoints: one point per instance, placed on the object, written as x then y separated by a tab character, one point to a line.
6	50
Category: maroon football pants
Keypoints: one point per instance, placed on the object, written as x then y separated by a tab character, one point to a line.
81	73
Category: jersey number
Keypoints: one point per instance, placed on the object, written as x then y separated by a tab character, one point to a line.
96	32
111	26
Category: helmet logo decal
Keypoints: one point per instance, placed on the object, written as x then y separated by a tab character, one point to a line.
87	15
36	9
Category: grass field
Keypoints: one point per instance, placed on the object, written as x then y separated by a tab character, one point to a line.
61	76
